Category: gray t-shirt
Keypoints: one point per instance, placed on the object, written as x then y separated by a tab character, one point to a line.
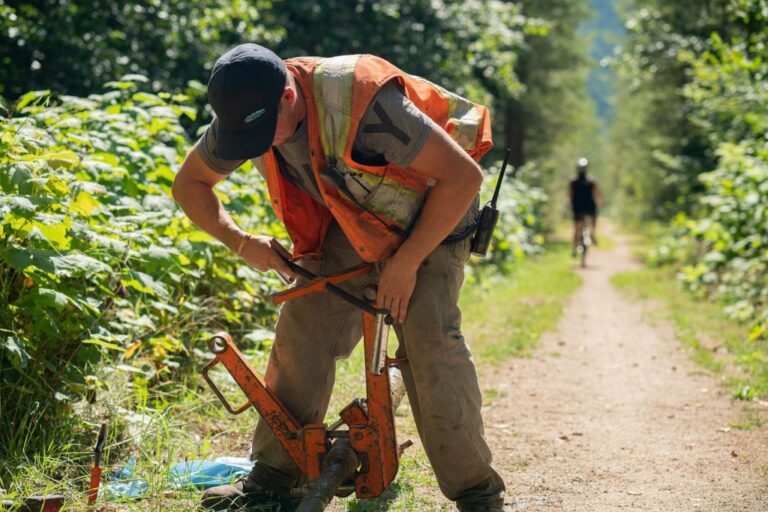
392	130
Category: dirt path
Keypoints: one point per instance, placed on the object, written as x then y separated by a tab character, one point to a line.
610	414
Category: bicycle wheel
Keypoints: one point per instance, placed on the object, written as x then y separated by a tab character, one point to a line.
584	243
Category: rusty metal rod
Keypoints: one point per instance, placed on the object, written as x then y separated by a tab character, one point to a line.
341	461
344	295
339	466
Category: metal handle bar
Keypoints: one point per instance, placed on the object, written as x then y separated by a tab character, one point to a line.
355	301
222	398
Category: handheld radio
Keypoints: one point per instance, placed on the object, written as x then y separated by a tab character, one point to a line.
489	215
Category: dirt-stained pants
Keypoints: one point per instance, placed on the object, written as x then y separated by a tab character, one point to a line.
314	331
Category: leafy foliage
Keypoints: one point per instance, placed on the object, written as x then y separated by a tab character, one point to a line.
94	256
469	47
657	151
720	235
74	47
518	231
466	46
724	252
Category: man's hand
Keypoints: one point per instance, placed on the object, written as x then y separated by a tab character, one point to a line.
396	284
264	253
457	180
193	190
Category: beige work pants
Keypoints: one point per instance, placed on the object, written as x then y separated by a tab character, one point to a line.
314	331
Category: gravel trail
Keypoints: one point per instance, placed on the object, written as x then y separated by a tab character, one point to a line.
611	414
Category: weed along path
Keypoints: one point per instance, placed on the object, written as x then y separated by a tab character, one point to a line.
611	414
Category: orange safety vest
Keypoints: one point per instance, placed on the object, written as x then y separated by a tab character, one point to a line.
374	205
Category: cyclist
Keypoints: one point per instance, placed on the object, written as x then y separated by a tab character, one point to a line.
585	197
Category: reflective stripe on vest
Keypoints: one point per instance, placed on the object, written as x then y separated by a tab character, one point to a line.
464	118
333	81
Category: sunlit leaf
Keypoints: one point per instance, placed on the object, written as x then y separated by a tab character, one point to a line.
57	234
30	97
78	264
102	343
131	350
66	159
146	284
134	77
55	299
84	204
151	99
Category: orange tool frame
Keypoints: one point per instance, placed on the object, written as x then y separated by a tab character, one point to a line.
370	421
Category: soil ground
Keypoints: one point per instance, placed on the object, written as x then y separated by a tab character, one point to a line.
610	414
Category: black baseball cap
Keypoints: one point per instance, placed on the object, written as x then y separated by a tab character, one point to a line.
244	90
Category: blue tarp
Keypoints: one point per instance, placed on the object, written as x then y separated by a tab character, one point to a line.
183	475
205	474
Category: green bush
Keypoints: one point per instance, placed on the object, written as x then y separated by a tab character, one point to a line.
95	258
724	253
720	242
518	231
73	47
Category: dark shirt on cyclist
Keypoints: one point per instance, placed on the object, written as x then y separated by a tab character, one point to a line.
583	197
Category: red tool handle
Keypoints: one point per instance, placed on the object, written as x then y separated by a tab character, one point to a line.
93	488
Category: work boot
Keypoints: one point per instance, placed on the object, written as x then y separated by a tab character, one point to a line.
480	508
252	489
485	496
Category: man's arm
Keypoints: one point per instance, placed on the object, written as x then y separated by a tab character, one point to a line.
193	191
598	196
457	182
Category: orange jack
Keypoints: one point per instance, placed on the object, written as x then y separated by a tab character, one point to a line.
366	425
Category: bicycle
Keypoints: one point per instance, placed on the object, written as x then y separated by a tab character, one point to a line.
584	241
